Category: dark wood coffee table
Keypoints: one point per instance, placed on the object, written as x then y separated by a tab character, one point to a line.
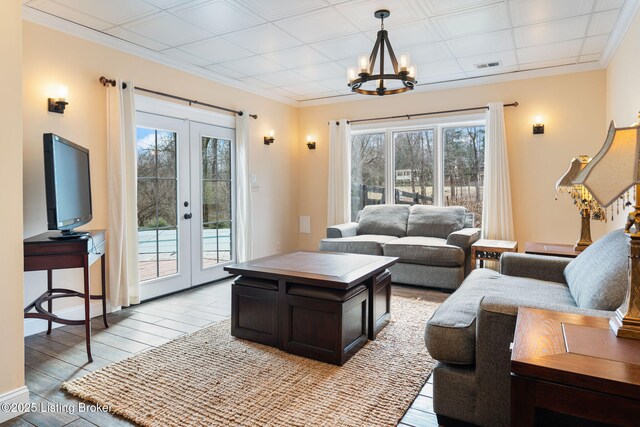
315	304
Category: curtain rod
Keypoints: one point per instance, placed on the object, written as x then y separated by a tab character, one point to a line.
409	116
106	82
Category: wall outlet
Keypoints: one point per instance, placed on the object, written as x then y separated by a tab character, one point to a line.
278	248
305	225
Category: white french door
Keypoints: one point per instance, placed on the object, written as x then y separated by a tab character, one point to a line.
186	202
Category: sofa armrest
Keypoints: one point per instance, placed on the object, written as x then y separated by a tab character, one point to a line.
342	230
464	238
541	267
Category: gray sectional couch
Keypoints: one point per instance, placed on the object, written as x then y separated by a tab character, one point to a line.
433	243
470	333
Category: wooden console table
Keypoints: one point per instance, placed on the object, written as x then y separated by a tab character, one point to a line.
42	253
575	365
490	250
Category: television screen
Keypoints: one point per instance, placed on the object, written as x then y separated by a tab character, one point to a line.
68	184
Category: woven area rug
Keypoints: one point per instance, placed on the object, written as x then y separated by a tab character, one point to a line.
209	378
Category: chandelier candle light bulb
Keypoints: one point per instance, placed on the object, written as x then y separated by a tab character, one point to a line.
363	62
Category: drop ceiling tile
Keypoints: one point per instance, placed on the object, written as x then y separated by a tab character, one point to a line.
490	18
594	44
263	38
348	47
253	82
167	29
282	78
550	63
336	84
549	52
219	17
492	71
224	71
69	14
442	78
322	71
437	69
603	22
482	43
440	7
608	4
311	88
529	12
300	56
506	59
595	57
433	52
322	24
216	50
166	4
284	93
551	32
252	66
361	13
183	56
134	38
278	9
415	33
114	11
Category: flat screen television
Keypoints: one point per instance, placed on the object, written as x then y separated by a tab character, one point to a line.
68	186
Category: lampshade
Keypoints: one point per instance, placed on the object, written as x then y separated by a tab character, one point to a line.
582	198
615	168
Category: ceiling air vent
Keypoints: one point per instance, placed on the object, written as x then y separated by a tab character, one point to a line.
487	65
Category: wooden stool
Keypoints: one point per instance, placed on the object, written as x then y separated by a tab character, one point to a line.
254	310
379	303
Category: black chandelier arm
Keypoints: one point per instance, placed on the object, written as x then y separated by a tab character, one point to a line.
392	55
374	53
381	93
367	78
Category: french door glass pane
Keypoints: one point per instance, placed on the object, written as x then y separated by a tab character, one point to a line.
216	201
157	203
367	171
464	168
414	162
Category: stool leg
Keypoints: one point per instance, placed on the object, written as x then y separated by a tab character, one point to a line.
87	308
50	302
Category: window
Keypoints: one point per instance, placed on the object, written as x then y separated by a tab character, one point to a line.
435	164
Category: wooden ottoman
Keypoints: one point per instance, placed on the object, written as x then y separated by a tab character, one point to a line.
254	310
379	303
325	324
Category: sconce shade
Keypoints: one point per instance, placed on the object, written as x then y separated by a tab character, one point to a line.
615	168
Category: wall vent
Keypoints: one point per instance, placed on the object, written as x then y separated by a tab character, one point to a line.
487	65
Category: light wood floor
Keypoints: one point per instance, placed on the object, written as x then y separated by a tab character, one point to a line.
61	356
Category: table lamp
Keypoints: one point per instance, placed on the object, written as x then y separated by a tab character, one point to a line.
611	173
582	198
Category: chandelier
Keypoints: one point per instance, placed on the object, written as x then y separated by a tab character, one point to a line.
402	70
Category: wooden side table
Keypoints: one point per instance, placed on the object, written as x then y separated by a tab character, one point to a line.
490	250
575	365
552	249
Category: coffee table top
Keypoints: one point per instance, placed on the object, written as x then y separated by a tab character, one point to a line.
328	269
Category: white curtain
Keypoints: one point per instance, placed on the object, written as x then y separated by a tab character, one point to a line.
243	216
339	203
497	217
122	244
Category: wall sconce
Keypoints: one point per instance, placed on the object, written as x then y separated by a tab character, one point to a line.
310	144
57	105
538	127
268	140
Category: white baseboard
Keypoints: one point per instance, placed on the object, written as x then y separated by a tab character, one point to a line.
35	326
18	397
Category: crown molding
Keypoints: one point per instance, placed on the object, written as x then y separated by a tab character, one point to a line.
626	17
470	81
41	18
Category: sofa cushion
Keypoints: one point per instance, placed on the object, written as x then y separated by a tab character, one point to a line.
435	221
366	244
451	332
597	278
425	251
389	220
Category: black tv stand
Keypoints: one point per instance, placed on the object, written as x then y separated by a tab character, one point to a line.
70	235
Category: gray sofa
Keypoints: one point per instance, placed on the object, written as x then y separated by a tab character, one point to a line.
470	333
433	243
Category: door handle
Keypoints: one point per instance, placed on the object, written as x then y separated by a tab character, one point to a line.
187	216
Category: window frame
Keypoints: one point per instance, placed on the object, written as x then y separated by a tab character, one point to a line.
438	125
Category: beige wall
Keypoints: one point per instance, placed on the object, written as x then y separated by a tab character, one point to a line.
52	58
12	355
572	107
623	87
